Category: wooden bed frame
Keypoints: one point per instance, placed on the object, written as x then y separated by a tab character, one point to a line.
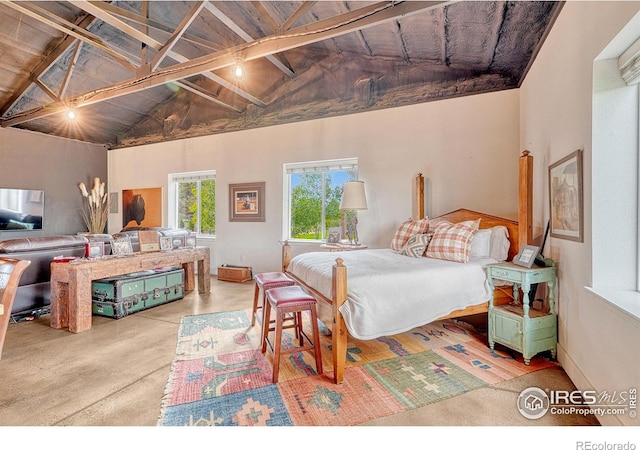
520	233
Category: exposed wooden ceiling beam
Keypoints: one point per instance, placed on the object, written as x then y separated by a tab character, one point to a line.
46	63
69	72
266	16
244	35
200	91
116	23
318	31
59	24
273	26
177	34
123	27
141	20
296	15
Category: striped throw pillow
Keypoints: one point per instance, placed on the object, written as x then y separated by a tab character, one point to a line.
407	229
452	242
416	245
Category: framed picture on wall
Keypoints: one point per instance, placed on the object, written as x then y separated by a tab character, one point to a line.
246	202
566	198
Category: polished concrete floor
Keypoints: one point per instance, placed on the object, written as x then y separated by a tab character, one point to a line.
115	373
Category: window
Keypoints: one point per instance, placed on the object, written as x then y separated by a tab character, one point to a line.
194	201
615	163
313	191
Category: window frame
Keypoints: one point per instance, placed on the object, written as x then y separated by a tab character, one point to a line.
288	169
181	177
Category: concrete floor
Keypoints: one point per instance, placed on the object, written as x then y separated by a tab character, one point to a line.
115	373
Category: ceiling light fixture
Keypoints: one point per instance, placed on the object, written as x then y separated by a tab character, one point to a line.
238	69
71	114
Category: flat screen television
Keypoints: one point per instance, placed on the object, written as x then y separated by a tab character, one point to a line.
21	209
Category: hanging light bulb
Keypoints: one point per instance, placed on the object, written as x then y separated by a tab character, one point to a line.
71	114
238	70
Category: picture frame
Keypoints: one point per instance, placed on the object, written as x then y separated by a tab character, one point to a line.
148	241
526	256
177	242
566	199
94	249
166	244
334	235
246	202
121	246
190	242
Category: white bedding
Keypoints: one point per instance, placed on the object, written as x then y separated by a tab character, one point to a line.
388	293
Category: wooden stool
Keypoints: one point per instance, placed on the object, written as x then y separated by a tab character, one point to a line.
290	300
266	281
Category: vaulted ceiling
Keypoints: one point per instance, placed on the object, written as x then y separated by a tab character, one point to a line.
150	71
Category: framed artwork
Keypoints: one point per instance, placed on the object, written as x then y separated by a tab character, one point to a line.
148	240
246	202
165	243
566	198
526	256
142	207
94	249
334	235
121	246
177	241
190	242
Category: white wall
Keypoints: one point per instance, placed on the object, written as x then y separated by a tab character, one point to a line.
467	149
30	160
598	343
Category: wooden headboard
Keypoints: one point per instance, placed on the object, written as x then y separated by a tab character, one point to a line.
520	232
488	221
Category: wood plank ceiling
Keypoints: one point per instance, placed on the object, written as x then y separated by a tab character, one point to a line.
150	71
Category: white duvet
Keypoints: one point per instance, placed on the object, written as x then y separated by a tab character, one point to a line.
388	293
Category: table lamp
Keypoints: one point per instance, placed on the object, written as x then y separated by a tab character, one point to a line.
353	199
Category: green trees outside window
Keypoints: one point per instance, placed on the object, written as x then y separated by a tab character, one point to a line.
315	202
197	206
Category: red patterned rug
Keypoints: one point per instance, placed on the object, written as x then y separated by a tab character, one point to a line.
220	377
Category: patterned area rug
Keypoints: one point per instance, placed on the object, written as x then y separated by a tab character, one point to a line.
220	377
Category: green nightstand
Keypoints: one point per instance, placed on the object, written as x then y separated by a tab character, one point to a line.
528	331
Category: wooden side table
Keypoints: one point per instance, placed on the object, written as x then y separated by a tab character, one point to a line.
516	325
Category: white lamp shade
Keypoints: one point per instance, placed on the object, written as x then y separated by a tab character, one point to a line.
353	196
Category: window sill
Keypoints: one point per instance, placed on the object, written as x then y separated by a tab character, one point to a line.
205	237
625	300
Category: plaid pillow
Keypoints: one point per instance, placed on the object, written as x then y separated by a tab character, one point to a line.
407	229
452	242
416	245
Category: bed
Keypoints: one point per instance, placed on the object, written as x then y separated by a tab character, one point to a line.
367	294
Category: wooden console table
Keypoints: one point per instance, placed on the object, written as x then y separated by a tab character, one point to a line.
71	281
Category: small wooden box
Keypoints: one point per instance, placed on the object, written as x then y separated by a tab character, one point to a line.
236	274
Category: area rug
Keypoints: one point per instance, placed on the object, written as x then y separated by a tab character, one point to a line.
219	376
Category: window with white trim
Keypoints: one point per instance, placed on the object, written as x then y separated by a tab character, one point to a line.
615	169
312	194
193	201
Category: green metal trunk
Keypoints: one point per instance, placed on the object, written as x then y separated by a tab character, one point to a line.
122	295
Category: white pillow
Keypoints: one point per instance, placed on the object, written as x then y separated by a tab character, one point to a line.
481	244
500	243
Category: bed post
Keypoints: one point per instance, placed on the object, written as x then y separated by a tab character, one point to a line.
286	256
339	335
525	199
419	197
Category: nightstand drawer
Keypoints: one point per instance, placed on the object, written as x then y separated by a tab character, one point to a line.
499	273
